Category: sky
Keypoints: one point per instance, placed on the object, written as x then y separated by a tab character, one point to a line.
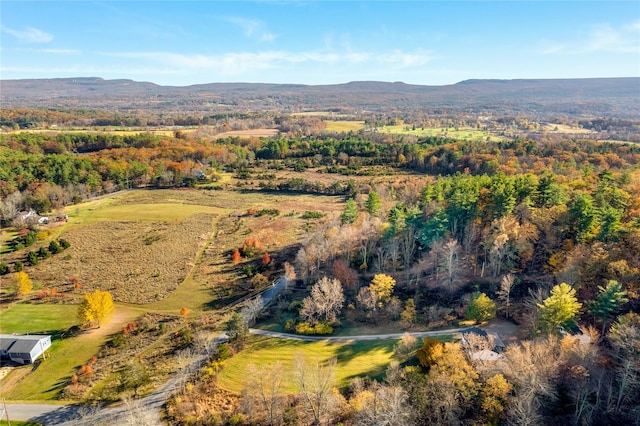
323	42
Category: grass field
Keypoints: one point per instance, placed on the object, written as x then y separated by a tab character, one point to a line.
162	212
461	134
37	318
366	358
344	126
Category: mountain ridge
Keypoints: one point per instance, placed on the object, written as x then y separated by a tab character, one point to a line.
612	97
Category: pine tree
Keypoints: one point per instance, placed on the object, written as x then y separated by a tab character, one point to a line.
373	203
350	212
559	309
608	301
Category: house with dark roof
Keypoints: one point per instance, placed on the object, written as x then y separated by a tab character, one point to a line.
23	349
490	348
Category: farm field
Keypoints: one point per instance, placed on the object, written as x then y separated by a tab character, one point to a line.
462	133
141	245
344	126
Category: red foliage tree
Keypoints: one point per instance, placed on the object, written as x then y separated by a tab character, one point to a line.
236	256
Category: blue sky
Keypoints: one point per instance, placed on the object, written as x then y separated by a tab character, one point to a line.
325	42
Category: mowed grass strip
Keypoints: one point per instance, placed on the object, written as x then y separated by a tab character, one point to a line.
65	356
364	358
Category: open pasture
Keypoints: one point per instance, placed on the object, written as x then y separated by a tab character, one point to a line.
344	126
462	133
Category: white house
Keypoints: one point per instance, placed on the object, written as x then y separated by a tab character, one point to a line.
23	349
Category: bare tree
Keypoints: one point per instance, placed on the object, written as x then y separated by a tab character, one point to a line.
315	380
367	300
252	309
325	301
385	406
265	385
138	415
449	263
504	294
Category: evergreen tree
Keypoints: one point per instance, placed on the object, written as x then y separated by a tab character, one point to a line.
559	309
350	212
608	301
373	203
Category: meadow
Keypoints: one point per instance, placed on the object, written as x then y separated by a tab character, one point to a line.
461	133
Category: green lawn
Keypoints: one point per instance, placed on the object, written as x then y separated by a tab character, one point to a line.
19	423
65	356
366	358
37	318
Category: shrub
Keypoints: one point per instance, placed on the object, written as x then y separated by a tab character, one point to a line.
64	244
18	266
54	247
320	328
32	258
4	268
43	253
313	215
290	324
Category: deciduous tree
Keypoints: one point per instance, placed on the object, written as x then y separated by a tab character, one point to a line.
325	301
95	308
383	285
23	284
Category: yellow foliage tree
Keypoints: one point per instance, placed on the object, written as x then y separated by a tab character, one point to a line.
95	308
24	285
383	285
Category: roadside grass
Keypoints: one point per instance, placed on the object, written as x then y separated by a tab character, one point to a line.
344	125
463	133
365	358
19	423
46	380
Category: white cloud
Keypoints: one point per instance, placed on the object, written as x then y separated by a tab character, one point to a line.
244	62
61	51
601	38
30	35
252	28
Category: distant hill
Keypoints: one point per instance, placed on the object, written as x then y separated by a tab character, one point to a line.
602	97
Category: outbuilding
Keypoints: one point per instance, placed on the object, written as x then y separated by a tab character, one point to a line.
23	349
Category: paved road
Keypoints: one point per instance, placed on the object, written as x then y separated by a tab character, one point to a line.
358	337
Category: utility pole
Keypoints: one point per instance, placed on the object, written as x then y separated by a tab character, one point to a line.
4	412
